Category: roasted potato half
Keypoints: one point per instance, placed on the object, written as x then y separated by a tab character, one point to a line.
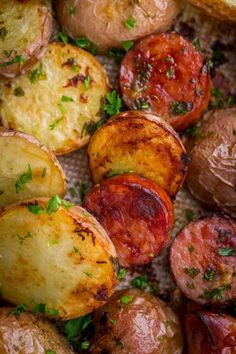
27	169
138	142
57	256
134	322
29	334
211	176
109	22
25	29
223	9
58	99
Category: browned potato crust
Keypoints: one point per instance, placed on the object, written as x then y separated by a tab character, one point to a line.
134	322
212	177
104	22
222	9
139	142
26	27
62	258
27	334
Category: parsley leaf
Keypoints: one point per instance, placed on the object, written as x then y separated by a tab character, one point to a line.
130	23
227	252
113	103
140	282
87	81
127	45
67	99
75	327
19	309
126	299
19	92
35	209
209	274
192	272
121	274
179	108
23	179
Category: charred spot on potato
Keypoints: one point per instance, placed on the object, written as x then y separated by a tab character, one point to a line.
186	159
102	293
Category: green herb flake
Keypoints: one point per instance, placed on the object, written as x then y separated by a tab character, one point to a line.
130	23
209	274
113	103
23	179
114	173
52	312
87	81
83	190
17	311
35	209
85	345
55	123
192	272
75	327
3	33
82	42
127	45
227	252
190	285
63	37
19	92
215	293
89	274
37	74
62	108
50	351
73	192
170	73
140	282
53	204
72	10
117	54
189	215
67	99
197	44
39	308
126	299
113	322
44	172
179	108
75	250
193	130
121	274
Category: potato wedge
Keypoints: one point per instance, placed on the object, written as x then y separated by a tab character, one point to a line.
29	334
27	169
55	256
25	29
222	9
57	99
138	142
108	23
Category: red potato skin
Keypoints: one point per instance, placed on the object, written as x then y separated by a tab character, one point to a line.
201	273
210	333
163	69
136	213
146	325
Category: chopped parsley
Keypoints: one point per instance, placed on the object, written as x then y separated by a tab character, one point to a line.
215	293
54	204
73	192
37	74
50	351
113	103
35	209
170	73
72	10
55	123
130	23
209	274
83	190
113	173
192	272
44	172
113	322
197	44
121	274
87	81
85	345
127	45
67	99
126	299
189	215
75	327
23	179
179	108
88	274
193	130
141	103
117	54
227	252
140	282
17	311
190	285
19	92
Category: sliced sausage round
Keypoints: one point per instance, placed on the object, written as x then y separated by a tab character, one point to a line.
137	214
203	260
210	333
165	74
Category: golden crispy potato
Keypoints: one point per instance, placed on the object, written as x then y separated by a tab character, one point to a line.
109	22
134	322
55	256
222	9
211	177
27	169
57	99
138	142
25	29
27	334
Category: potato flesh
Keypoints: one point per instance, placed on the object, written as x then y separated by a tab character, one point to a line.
21	152
23	24
42	112
66	263
141	143
223	9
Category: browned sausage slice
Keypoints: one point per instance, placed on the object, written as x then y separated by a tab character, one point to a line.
165	74
210	333
137	214
203	260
